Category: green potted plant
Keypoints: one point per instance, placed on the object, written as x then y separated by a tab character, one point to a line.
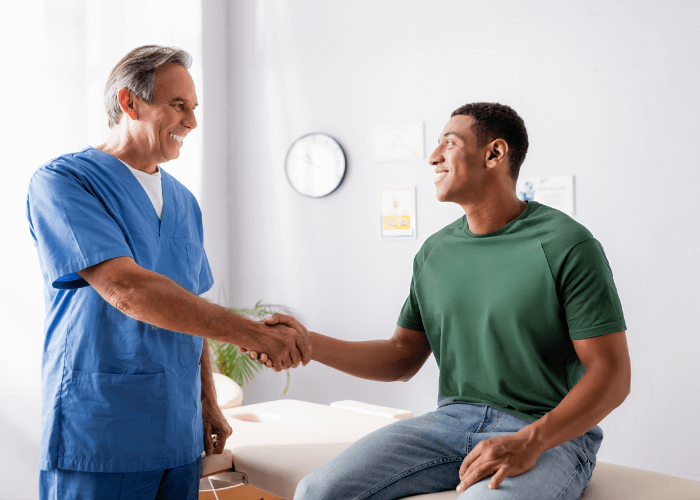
235	364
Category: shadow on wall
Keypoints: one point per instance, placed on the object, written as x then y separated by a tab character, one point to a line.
19	462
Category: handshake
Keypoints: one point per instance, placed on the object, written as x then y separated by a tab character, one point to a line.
284	343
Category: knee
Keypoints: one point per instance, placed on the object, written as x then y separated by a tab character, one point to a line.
312	487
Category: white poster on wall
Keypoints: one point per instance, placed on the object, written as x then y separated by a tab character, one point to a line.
400	142
397	213
555	192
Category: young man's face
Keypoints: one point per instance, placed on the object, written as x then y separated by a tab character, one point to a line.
164	123
460	164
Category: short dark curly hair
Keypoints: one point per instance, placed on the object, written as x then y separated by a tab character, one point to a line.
492	121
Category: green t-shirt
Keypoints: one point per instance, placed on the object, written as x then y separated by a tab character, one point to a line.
501	309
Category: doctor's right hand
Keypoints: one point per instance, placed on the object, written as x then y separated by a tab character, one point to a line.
285	343
289	321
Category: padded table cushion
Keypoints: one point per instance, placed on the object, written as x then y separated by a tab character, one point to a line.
276	444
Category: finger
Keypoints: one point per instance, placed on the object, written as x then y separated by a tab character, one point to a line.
219	447
469	459
208	441
475	475
278	366
253	355
295	356
497	478
305	351
263	358
268	363
272	320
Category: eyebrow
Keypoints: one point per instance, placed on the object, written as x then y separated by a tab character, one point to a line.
446	134
182	99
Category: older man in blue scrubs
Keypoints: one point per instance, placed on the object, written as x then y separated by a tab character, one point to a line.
128	398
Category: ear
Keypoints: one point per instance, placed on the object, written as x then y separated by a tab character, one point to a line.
496	153
127	103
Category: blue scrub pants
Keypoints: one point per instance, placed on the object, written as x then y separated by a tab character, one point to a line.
423	455
179	483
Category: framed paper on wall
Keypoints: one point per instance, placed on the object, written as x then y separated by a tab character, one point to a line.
399	142
397	213
555	192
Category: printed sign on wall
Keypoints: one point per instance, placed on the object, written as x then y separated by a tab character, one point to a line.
555	192
397	212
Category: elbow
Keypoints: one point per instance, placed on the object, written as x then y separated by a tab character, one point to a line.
119	296
408	373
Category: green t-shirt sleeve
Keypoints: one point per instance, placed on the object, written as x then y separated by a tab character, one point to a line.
587	290
410	316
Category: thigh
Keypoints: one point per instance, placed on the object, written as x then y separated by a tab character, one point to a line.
59	484
180	483
408	457
561	473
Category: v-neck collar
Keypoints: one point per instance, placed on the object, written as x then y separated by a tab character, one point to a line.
145	204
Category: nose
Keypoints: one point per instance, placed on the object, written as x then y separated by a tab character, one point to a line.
436	158
189	120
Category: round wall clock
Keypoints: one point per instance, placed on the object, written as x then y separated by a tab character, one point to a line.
315	165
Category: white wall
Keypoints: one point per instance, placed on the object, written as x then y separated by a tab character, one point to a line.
608	91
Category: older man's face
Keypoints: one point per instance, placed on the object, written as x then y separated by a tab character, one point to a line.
165	122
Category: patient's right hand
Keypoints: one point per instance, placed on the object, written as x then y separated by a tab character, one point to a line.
289	321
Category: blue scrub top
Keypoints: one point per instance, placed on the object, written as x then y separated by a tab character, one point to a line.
119	395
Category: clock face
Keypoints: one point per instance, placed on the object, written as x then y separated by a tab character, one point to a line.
315	165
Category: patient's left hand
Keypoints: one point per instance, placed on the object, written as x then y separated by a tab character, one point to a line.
503	456
214	424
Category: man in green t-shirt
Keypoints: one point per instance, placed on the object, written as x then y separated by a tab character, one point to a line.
517	303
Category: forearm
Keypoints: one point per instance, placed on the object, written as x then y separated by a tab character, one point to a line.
597	394
155	299
208	390
382	360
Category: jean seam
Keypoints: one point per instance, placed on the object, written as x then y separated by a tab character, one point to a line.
408	472
577	471
493	424
479	427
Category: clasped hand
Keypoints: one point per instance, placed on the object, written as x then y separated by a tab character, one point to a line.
296	344
503	456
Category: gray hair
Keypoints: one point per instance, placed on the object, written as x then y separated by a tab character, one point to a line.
137	73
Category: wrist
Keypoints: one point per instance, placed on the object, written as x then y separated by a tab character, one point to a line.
535	436
208	401
316	346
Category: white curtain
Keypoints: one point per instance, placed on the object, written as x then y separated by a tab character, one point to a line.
56	56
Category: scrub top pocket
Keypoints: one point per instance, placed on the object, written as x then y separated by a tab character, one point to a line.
112	415
195	256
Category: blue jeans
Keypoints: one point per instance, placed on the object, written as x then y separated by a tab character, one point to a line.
423	455
179	483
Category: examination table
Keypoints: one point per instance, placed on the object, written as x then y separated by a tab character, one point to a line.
275	444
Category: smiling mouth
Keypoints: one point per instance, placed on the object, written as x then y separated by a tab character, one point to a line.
178	138
440	176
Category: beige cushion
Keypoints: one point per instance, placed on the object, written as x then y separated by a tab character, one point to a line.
214	464
278	443
616	482
228	393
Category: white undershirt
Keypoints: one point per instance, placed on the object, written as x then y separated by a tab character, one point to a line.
153	186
